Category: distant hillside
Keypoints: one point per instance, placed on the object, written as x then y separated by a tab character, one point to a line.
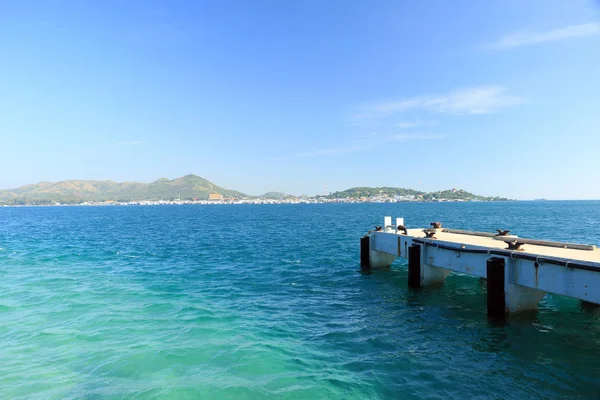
358	192
77	191
459	194
189	187
275	195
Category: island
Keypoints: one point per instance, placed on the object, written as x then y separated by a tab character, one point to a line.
193	189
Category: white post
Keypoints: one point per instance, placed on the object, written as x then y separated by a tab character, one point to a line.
387	222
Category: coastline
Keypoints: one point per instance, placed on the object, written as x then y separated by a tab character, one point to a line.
241	202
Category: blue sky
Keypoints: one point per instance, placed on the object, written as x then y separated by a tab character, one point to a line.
496	97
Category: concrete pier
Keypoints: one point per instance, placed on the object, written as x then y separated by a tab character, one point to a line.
518	271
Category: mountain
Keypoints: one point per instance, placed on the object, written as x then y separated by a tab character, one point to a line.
452	194
275	195
76	191
460	194
358	192
187	188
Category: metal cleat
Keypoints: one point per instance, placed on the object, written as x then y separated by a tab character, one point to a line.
430	233
514	245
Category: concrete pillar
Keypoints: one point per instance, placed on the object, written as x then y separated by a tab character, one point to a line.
380	259
370	258
419	274
431	275
520	298
504	297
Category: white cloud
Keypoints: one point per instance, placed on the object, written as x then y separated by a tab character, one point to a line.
529	38
129	143
482	99
414	124
405	137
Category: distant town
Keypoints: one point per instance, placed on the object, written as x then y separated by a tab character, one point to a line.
192	189
216	198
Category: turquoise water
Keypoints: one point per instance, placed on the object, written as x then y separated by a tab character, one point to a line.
176	302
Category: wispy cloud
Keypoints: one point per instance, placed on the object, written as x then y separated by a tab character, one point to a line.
129	143
375	141
405	137
482	99
414	124
367	135
518	39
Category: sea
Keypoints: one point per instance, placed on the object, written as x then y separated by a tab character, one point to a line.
269	301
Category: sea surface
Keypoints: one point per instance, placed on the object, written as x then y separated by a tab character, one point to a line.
268	301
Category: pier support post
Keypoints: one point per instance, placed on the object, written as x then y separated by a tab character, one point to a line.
504	297
365	249
414	266
520	298
420	275
496	284
370	258
379	259
431	275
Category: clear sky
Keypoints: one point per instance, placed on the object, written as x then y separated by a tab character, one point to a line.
495	97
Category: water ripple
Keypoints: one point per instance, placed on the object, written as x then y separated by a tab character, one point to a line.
175	302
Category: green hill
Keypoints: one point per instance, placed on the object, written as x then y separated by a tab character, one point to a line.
453	194
187	188
460	195
76	191
274	195
358	192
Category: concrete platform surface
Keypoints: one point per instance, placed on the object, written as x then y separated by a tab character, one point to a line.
497	243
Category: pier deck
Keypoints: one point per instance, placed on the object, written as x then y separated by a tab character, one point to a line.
519	271
497	242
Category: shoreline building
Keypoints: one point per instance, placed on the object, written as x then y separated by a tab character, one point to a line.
215	197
